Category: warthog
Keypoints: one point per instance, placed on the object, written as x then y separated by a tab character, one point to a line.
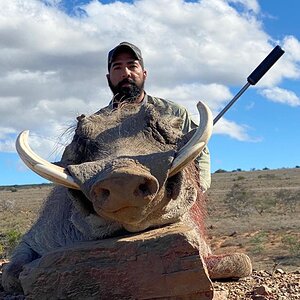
126	170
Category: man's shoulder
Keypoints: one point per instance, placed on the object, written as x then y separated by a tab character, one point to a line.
168	105
103	110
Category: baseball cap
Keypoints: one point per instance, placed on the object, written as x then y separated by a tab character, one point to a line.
125	45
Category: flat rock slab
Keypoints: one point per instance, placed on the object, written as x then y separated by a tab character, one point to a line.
157	264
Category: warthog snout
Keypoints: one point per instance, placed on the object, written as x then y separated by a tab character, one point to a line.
124	190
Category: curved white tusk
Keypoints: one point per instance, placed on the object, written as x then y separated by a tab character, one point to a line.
42	167
198	141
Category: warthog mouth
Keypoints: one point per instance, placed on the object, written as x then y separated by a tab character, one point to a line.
129	214
122	209
119	214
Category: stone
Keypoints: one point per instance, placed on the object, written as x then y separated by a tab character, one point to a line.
262	290
221	295
161	263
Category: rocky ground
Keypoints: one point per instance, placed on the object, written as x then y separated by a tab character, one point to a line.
270	235
261	285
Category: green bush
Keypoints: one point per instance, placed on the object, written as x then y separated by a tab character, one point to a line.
9	241
2	250
292	244
13	237
258	242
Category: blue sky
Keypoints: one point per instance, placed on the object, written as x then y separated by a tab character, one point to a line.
53	59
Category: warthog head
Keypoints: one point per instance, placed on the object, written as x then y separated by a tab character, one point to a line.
131	165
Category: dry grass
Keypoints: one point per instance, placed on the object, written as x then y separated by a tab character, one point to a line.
270	236
266	224
19	207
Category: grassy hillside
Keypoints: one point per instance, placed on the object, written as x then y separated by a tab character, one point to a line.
255	212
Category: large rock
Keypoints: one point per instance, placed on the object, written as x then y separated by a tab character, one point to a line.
158	264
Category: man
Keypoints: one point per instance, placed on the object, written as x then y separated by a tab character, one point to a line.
126	78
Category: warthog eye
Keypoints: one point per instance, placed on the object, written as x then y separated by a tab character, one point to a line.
85	149
161	133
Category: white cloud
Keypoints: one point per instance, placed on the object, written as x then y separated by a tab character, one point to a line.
188	95
49	148
7	143
53	66
292	47
281	96
235	131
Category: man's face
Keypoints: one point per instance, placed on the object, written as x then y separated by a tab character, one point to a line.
126	77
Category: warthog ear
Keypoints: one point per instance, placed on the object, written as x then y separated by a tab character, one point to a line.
80	118
195	145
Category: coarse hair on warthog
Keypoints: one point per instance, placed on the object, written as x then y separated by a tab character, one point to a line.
120	160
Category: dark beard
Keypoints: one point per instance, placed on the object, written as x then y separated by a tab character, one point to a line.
126	93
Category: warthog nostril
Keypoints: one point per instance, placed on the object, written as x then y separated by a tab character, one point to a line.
144	189
101	193
105	193
124	190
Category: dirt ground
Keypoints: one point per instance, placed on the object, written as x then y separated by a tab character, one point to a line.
253	212
269	233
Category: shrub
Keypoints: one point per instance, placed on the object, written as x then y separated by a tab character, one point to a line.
238	199
241	200
264	203
8	242
2	251
288	199
267	176
258	242
220	171
13	237
292	244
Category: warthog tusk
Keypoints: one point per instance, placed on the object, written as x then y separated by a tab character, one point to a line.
198	141
42	167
